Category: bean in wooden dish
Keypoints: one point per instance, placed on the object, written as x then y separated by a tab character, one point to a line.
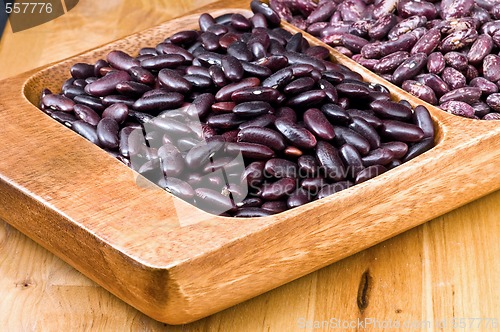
240	118
439	51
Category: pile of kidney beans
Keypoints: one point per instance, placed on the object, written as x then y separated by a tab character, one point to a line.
444	52
240	118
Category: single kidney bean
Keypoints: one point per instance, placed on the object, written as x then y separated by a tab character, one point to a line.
458	108
121	60
297	135
351	159
468	95
401	131
252	108
318	124
363	128
453	78
390	62
345	135
491	67
436	63
306	99
254	150
456	60
398	149
408	8
420	90
117	112
307	165
366	115
256	93
260	135
380	156
82	70
428	42
422	118
107	133
480	109
458	40
409	68
86	130
299	197
434	82
329	159
418	148
479	49
493	101
264	120
58	102
280	168
87	114
391	110
107	84
155	104
272	17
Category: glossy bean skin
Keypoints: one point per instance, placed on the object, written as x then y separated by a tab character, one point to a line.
363	128
260	135
421	8
178	187
106	85
121	60
434	82
418	149
422	118
378	50
278	189
87	114
299	197
458	40
351	159
401	131
224	94
254	150
491	67
398	149
295	134
118	112
493	101
258	93
420	90
409	68
456	60
86	130
171	80
436	63
380	156
390	62
107	133
281	168
58	102
154	104
391	110
427	43
307	165
468	95
329	159
252	108
316	122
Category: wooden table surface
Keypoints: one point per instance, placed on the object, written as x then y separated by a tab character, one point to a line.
441	274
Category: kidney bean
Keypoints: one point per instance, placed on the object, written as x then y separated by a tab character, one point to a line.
264	120
435	63
466	94
82	70
491	67
281	9
280	168
154	104
178	187
486	87
369	173
381	27
351	159
479	49
366	115
493	101
380	49
456	60
456	8
286	113
278	189
453	78
410	8
409	68
254	150
58	102
171	80
418	148
107	133
266	136
390	62
317	123
299	58
391	110
367	63
107	84
223	107
271	16
490	28
258	93
86	130
307	98
297	135
422	118
250	202
380	156
299	85
420	90
491	116
298	197
252	212
480	109
232	68
458	108
434	82
274	206
407	25
121	60
200	155
458	40
318	52
329	159
307	165
63	117
87	114
117	112
427	43
398	149
345	135
401	131
254	173
363	128
252	108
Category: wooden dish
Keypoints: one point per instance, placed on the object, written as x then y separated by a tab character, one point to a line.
177	263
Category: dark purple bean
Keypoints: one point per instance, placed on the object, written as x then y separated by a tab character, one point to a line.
278	189
313	185
217	75
493	101
299	58
58	102
409	68
64	117
480	109
330	91
82	70
260	121
209	58
252	108
184	37
352	159
281	168
418	148
307	165
223	107
336	113
367	63
322	12
398	149
98	65
297	135
178	188
117	112
345	135
201	105
140	117
318	124
273	62
224	121
210	41
142	75
212	201
250	202
422	118
299	85
420	90
171	80
200	155
298	197
391	110
261	135
307	99
107	84
254	150
363	128
352	42
224	94
366	115
286	113
479	49
456	60
240	51
256	70
453	78
107	132
466	94
254	173
369	173
295	43
458	40
167	48
271	16
333	188
354	90
259	21
199	82
491	67
401	131
318	52
156	103
333	77
86	130
87	114
258	93
121	60
205	21
329	159
380	156
163	61
131	88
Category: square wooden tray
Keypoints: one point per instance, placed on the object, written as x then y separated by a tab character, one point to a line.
177	263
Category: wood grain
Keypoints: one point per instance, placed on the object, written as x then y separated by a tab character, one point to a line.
331	291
